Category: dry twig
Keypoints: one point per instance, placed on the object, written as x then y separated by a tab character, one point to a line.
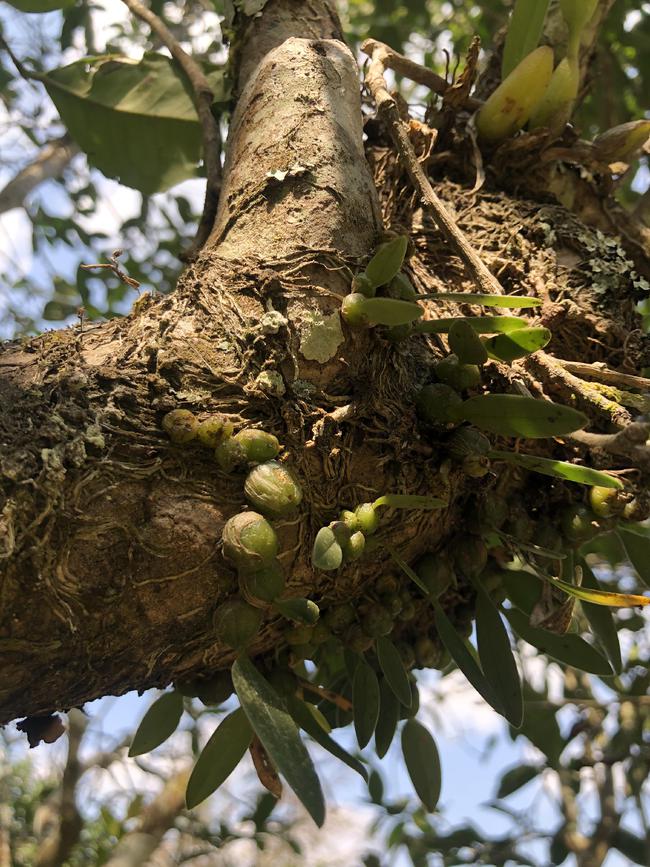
388	110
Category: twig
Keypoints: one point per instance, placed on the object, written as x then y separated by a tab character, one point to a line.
601	373
629	443
211	134
49	163
115	268
387	108
339	700
548	370
391	59
23	71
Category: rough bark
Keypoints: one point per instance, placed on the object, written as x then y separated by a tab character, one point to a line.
109	533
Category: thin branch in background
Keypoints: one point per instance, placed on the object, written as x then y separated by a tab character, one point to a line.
211	134
49	163
387	109
22	70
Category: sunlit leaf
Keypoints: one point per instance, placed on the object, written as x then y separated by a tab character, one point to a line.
480	324
159	723
391	311
279	735
558	469
600	597
422	762
518	416
386	262
219	757
505	301
517	344
524	32
135	120
326	554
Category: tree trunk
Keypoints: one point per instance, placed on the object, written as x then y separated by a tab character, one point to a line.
109	533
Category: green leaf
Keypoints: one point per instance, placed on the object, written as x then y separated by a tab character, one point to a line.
524	32
326	554
403	565
299	609
540	725
497	660
480	324
523	588
466	344
409	501
599	597
279	735
517	777
422	762
508	347
637	550
558	469
40	5
389	710
464	658
518	416
135	120
219	757
392	666
601	621
301	712
391	311
387	261
506	301
569	648
159	722
365	702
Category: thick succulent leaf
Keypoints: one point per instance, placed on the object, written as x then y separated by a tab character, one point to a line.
505	301
392	666
365	702
135	120
497	660
480	324
389	711
219	757
422	762
386	262
391	311
524	32
409	501
279	735
517	344
158	723
601	621
302	713
568	648
637	549
517	416
558	469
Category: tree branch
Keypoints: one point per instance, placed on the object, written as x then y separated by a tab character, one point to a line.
388	110
50	162
203	99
